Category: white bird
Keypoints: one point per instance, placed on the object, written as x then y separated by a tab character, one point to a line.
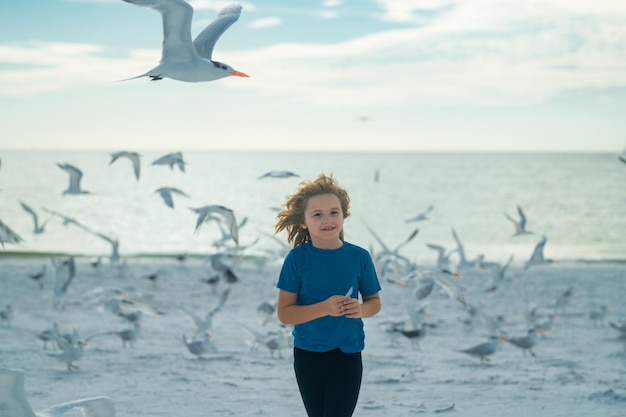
226	214
520	225
171	160
443	256
76	176
8	235
134	158
537	257
70	352
278	174
421	216
526	342
15	404
166	195
204	325
442	278
482	350
200	345
182	59
37	227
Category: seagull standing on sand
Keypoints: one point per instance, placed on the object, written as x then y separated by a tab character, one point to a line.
15	404
134	158
182	59
200	345
482	350
70	352
526	342
76	176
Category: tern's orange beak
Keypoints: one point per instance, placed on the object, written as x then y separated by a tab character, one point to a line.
239	74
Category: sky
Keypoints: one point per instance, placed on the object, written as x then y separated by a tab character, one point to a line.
325	75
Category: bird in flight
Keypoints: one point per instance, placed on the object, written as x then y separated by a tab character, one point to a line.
181	58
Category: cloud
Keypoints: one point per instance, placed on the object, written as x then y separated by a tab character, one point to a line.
265	22
476	51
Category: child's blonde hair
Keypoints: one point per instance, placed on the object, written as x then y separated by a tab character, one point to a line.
291	218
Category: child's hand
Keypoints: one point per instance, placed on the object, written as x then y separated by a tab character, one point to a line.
352	308
336	305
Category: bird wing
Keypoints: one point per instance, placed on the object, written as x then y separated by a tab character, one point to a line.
90	407
8	235
206	40
176	15
75	175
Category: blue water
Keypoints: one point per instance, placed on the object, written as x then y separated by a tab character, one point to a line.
577	200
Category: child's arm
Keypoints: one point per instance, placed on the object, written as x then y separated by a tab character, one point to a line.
289	312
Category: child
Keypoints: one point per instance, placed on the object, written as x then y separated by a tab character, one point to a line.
319	286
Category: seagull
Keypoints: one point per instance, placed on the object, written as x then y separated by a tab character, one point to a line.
15	404
520	226
70	352
421	216
204	325
49	335
128	336
537	257
443	257
200	345
75	177
182	59
482	350
442	278
526	342
278	174
166	195
37	227
115	247
226	214
133	156
222	268
171	159
61	285
273	340
8	235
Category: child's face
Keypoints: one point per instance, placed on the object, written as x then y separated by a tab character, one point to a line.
323	218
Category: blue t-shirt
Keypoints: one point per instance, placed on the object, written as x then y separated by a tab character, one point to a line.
316	274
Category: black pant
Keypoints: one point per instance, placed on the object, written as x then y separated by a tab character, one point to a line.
329	382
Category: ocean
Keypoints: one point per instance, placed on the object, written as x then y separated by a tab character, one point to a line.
576	200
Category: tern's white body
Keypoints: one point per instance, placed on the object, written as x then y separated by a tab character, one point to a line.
182	59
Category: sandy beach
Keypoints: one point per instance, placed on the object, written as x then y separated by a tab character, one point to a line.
579	367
